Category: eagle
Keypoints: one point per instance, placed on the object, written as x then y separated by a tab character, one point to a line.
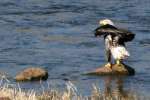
115	39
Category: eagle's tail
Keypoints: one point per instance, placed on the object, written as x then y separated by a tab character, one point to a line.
119	52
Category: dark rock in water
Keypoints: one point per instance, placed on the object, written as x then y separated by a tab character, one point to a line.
32	74
117	69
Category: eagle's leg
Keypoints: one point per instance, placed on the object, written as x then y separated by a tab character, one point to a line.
118	61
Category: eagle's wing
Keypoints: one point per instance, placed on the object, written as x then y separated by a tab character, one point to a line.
125	35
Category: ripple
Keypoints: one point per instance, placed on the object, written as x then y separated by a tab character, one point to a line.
57	35
145	42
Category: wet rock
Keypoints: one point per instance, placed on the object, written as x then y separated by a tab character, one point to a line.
5	98
32	74
117	69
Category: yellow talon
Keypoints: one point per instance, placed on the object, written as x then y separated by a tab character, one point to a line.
108	65
118	61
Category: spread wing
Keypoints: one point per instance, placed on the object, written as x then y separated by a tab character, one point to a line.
125	35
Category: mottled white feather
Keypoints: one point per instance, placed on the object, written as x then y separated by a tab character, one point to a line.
119	52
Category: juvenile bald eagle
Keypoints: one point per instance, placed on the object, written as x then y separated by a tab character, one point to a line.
115	39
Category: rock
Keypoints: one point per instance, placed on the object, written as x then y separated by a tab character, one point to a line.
5	98
32	74
116	69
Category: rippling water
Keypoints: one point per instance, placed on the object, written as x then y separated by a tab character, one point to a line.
57	35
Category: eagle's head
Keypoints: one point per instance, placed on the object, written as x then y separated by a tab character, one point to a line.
106	22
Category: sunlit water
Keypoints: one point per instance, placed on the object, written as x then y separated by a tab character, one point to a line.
58	35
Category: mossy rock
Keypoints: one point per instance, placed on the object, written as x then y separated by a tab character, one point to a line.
117	69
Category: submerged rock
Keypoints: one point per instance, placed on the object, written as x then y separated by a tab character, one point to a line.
117	69
32	74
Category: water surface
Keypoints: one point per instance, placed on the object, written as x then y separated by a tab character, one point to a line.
58	35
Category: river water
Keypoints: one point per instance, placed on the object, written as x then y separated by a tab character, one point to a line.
58	36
